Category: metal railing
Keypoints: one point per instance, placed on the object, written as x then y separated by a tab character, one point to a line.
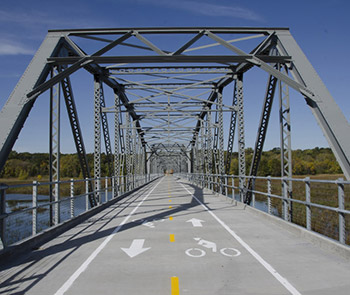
39	213
318	205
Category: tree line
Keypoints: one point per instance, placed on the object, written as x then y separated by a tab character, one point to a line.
305	162
25	165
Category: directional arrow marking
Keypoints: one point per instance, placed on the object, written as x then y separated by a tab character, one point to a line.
136	248
196	222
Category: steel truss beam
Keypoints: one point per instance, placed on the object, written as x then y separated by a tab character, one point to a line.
241	136
77	134
231	132
286	145
105	129
260	140
169	70
221	59
55	139
117	138
178	89
97	136
327	113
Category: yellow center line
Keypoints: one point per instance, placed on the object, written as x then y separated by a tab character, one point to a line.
172	238
175	290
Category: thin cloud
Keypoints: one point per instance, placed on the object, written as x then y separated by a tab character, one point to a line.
40	19
22	17
219	10
8	48
208	9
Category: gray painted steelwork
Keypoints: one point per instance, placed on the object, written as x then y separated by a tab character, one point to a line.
166	91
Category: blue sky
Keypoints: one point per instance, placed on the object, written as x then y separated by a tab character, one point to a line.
320	28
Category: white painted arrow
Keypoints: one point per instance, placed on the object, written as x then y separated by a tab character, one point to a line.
136	248
196	222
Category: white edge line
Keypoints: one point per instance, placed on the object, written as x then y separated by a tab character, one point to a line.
267	266
86	263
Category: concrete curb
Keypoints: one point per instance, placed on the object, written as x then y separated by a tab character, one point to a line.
321	241
317	239
32	243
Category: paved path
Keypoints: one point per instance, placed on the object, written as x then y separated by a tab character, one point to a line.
173	238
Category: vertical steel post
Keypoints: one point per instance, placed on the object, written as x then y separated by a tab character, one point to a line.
221	141
202	151
57	205
35	210
145	163
127	150
231	132
116	144
196	155
149	160
253	198
55	110
233	188
341	206
3	218
86	194
105	131
71	198
99	189
210	149
97	136
106	189
286	215
134	155
241	136
308	201
286	145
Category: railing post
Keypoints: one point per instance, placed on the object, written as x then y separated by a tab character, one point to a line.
308	200
269	195
72	198
34	205
86	194
57	205
2	213
226	188
341	207
242	191
98	191
253	193
106	189
285	200
233	188
122	184
113	186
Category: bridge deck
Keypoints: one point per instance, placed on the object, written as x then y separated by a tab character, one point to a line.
163	238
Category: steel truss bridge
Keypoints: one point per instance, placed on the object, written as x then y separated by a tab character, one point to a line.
161	92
